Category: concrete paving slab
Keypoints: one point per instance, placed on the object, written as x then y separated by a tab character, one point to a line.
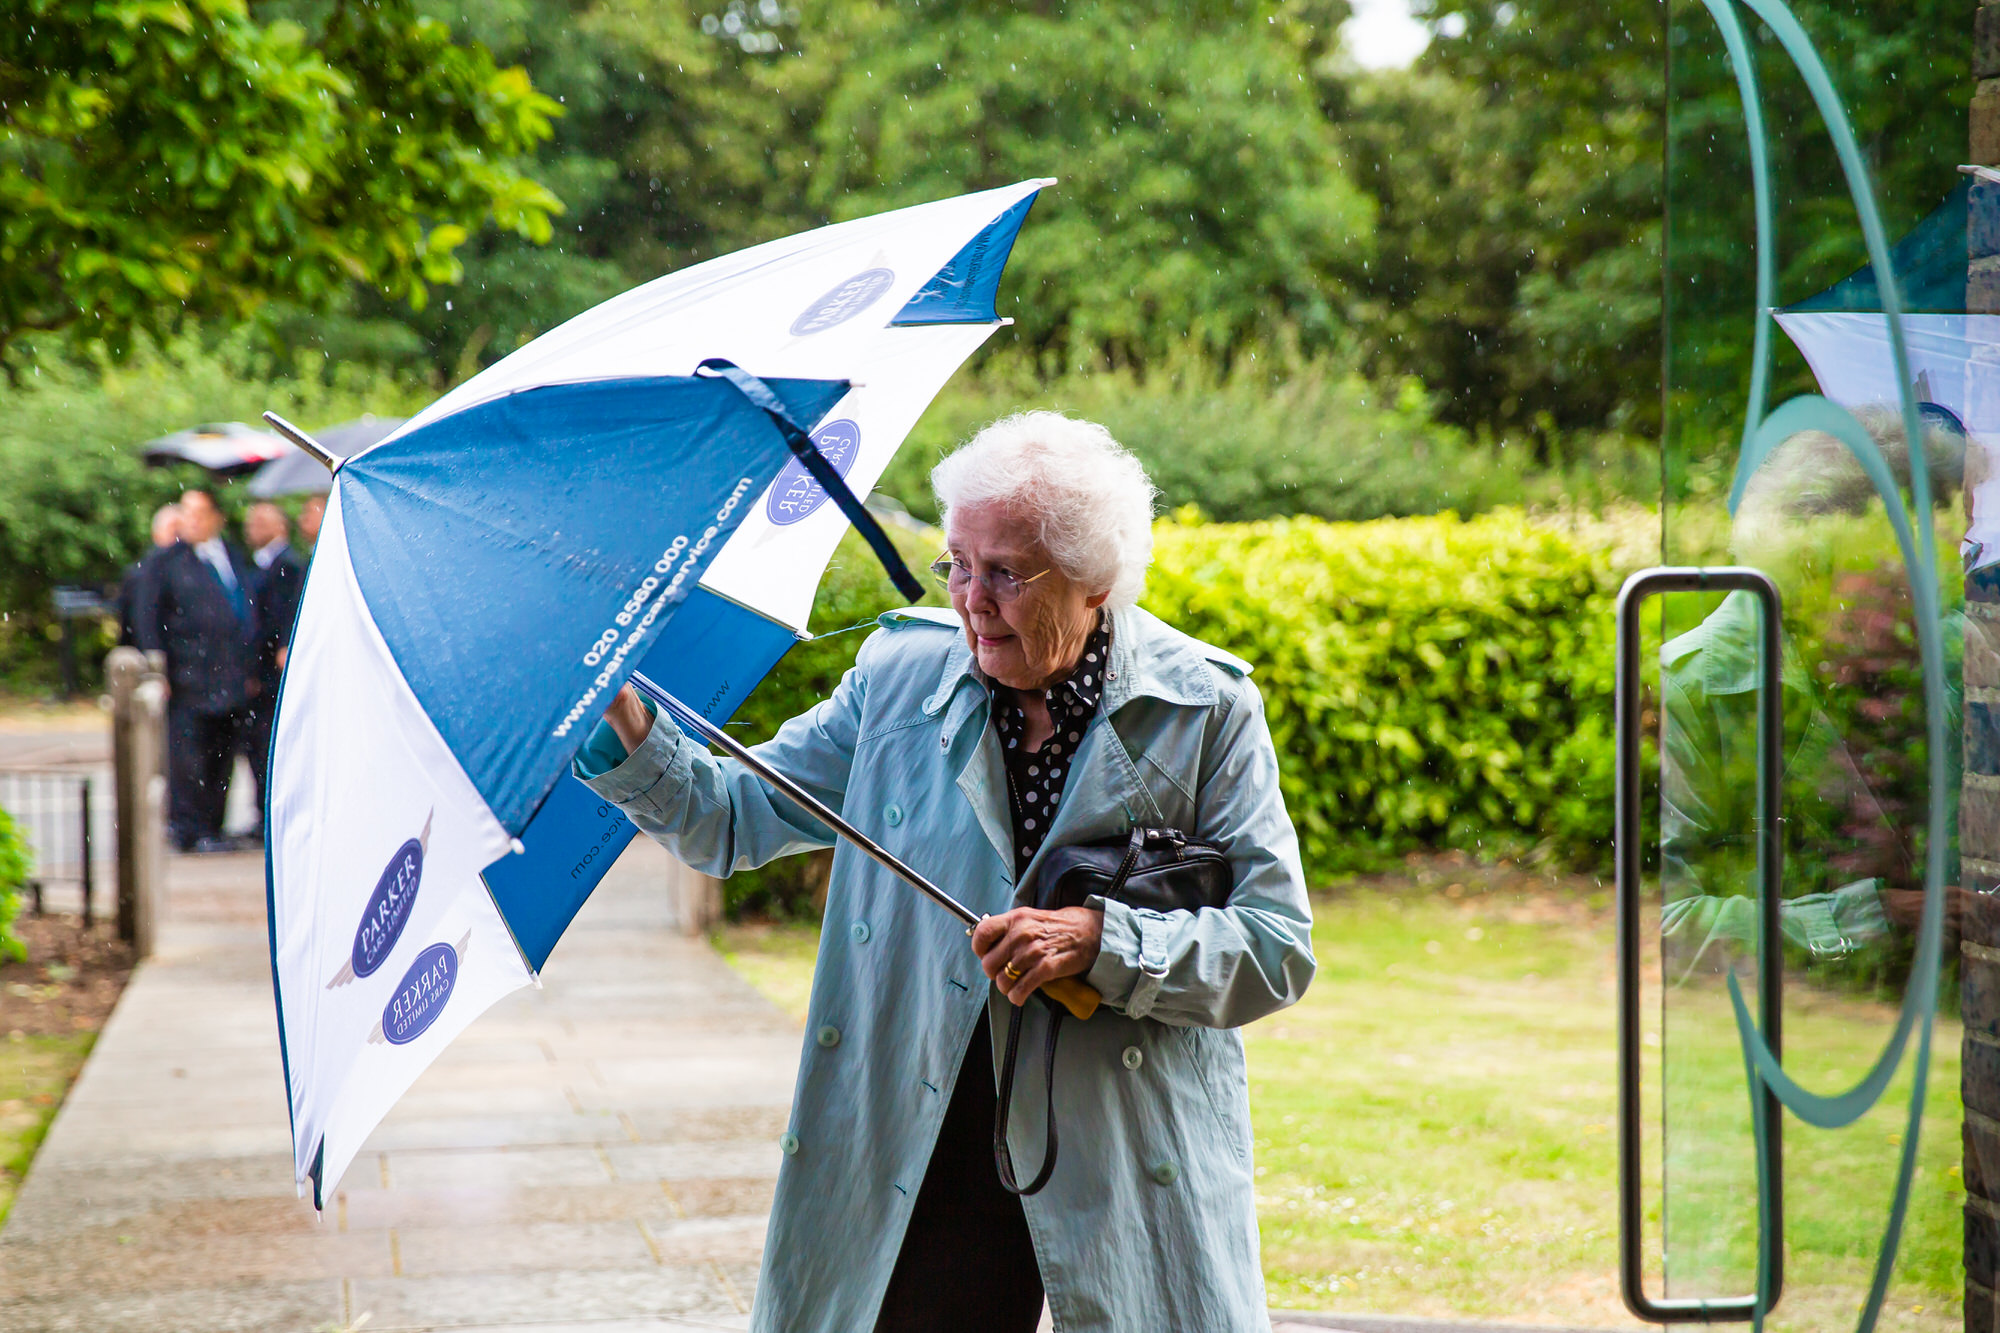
597	1153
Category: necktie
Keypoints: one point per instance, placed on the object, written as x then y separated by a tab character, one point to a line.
218	560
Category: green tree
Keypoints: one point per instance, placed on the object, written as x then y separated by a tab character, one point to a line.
170	157
686	133
1913	136
1201	199
1516	167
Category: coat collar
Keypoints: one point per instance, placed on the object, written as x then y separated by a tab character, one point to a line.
1149	659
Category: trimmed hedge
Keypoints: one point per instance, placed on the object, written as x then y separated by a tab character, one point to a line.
15	863
1430	682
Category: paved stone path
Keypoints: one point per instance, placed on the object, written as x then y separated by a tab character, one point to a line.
600	1152
596	1155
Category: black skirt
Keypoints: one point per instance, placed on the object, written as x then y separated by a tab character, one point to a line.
967	1263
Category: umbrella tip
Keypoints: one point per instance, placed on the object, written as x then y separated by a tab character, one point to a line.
314	448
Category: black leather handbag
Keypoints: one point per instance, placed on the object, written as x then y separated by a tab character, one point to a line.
1157	869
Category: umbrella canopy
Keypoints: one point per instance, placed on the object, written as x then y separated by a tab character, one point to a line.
225	448
662	479
295	472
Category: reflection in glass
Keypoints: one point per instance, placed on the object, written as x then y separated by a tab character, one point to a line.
1854	782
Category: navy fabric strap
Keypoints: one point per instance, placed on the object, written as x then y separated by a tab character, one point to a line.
823	472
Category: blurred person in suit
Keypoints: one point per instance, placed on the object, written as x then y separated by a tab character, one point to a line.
199	609
166	531
279	578
311	514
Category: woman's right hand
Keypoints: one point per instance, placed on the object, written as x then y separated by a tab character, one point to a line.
630	718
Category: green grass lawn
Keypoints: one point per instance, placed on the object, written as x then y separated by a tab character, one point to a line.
34	1074
1436	1121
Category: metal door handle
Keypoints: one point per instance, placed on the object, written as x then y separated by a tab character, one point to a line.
1770	956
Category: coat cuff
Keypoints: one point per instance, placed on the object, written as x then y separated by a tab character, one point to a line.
1131	961
660	759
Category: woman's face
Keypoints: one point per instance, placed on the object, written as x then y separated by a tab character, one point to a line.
1034	640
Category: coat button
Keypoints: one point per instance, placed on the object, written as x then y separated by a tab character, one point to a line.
1166	1173
1133	1057
894	814
858	932
788	1143
828	1036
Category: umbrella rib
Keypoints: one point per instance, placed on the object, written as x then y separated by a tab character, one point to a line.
800	797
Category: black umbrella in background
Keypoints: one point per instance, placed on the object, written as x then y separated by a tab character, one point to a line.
295	472
227	448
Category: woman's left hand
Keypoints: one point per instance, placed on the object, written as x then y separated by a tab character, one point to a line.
1025	948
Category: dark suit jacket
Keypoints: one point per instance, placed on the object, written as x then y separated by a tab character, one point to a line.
279	586
184	611
129	593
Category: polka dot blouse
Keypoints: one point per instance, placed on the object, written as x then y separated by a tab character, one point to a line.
1035	777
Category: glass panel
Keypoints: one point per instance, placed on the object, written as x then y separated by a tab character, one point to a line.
1710	666
1864	724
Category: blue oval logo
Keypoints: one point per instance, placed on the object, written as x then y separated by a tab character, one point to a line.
795	495
388	909
844	302
421	994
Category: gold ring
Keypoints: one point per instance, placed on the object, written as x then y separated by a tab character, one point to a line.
1011	972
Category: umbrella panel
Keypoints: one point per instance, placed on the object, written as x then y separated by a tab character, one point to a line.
717	655
722	648
522	512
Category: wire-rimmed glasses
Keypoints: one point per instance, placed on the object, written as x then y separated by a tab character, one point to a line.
1002	585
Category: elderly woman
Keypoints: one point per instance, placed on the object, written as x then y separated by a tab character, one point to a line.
1044	710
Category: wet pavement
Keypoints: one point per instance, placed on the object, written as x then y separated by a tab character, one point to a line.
599	1153
595	1155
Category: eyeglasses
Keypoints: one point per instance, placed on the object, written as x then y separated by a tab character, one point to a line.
1002	585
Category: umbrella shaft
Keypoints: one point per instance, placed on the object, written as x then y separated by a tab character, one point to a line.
799	796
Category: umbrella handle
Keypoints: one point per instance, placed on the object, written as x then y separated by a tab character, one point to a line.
1073	994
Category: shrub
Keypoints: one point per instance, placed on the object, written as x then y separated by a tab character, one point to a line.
1429	682
14	866
1279	436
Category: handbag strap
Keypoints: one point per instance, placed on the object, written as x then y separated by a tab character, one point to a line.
1003	1158
1126	866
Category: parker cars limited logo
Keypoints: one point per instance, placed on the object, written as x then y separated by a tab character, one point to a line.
795	495
844	302
421	995
388	909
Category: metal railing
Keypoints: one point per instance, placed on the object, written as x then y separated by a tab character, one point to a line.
67	823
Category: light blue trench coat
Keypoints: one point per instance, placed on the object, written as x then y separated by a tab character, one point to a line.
1149	1223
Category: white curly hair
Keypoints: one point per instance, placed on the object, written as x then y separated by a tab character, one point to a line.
1088	499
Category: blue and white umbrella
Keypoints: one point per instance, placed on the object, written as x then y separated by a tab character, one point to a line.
634	486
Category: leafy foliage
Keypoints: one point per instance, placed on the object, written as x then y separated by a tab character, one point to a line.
164	157
75	500
15	863
1902	73
1516	170
1278	435
1200	201
1429	681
